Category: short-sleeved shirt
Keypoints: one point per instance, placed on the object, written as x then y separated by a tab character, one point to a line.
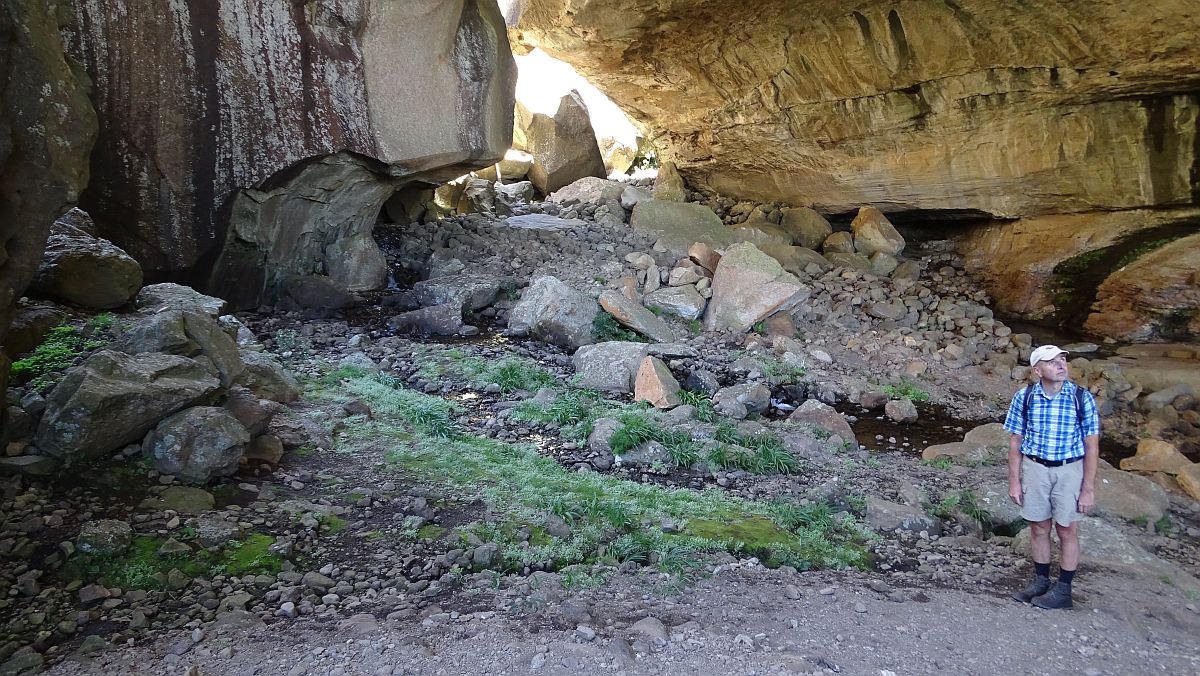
1053	431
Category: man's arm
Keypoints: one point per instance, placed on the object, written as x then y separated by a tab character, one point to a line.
1091	453
1091	458
1014	468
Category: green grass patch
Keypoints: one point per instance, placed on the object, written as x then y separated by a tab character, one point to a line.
906	389
609	519
526	486
705	411
62	346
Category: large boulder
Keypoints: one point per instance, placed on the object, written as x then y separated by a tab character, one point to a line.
610	366
888	517
113	399
555	313
197	445
683	301
1129	496
874	233
166	296
823	417
267	378
807	227
742	400
750	286
655	384
668	184
470	292
47	128
678	225
636	317
83	270
283	141
1189	480
564	146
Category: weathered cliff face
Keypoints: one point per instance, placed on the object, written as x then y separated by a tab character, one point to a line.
986	106
199	99
47	128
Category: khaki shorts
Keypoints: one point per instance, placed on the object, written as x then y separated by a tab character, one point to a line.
1051	491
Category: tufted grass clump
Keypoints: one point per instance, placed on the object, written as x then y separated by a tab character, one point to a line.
512	374
906	389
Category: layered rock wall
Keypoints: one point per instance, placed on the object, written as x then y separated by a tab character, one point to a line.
201	98
981	106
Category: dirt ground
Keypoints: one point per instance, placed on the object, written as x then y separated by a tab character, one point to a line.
736	620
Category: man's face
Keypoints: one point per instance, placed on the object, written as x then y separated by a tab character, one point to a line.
1053	370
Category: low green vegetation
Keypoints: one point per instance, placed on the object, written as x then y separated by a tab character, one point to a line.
781	373
141	566
940	462
609	519
906	389
606	327
963	502
62	347
705	411
510	374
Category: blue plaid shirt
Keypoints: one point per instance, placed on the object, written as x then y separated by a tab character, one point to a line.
1053	432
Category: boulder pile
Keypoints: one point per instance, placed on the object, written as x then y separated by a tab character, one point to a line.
182	384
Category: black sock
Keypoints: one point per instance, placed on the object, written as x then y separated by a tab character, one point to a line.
1041	569
1066	576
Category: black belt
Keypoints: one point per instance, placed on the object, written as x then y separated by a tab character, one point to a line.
1054	463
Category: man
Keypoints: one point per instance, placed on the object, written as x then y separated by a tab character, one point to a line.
1052	457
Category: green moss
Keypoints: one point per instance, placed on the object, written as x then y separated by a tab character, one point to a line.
251	557
141	566
755	532
430	532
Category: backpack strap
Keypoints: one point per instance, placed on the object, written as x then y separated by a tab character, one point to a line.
1025	408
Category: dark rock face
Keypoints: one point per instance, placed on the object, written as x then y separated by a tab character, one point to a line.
47	128
217	111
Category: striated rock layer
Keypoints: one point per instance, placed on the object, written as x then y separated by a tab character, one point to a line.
198	99
988	107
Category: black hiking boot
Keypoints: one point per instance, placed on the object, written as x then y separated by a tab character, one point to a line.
1059	596
1039	586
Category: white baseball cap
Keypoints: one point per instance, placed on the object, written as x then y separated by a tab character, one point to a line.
1045	353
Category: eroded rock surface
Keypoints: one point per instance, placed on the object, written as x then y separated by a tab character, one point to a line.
975	105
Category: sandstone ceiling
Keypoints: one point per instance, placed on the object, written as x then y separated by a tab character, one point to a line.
1005	108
